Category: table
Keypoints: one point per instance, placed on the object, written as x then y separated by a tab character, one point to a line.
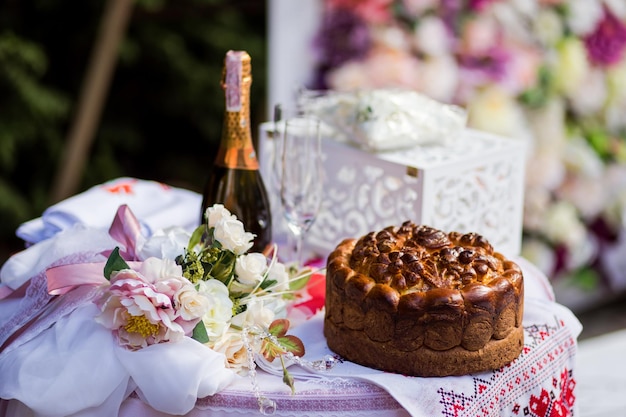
541	382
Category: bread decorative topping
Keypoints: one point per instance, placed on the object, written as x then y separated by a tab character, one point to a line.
418	301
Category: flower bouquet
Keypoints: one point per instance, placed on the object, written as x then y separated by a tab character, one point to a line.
199	304
231	300
551	73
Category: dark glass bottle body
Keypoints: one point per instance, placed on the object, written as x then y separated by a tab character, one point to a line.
235	180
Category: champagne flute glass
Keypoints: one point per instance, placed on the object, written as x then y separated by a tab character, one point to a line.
302	177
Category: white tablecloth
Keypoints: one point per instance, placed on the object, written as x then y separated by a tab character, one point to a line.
541	382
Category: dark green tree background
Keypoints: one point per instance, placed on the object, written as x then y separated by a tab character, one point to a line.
163	113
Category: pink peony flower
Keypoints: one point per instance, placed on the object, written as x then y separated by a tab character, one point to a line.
605	45
149	306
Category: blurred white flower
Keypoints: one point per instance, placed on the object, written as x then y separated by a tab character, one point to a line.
165	243
548	127
540	254
548	27
562	225
582	254
417	7
617	7
496	111
391	37
479	35
583	16
545	169
352	75
581	159
536	202
587	194
440	78
572	66
431	36
592	97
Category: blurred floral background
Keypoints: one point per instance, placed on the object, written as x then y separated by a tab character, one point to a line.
163	111
551	73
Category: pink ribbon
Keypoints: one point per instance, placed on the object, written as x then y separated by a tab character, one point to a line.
127	230
64	278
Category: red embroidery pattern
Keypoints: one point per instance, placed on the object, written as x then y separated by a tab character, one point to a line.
539	383
125	187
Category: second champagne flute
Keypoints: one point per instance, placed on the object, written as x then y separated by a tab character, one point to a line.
302	177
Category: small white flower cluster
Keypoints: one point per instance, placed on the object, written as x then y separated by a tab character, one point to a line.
251	270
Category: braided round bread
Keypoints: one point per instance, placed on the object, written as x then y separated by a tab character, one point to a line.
417	301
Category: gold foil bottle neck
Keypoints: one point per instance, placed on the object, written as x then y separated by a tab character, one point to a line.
237	150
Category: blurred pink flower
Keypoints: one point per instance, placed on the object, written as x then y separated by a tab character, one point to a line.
373	11
606	44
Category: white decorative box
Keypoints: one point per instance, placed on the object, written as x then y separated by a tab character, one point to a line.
475	184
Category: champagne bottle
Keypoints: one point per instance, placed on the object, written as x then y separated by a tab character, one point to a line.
235	180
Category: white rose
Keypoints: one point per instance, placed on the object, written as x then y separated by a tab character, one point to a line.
232	346
220	307
278	273
230	233
250	268
257	313
216	213
572	66
165	243
155	269
190	303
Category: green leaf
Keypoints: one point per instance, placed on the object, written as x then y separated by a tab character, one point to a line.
268	283
292	344
300	283
196	237
279	327
199	333
114	263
